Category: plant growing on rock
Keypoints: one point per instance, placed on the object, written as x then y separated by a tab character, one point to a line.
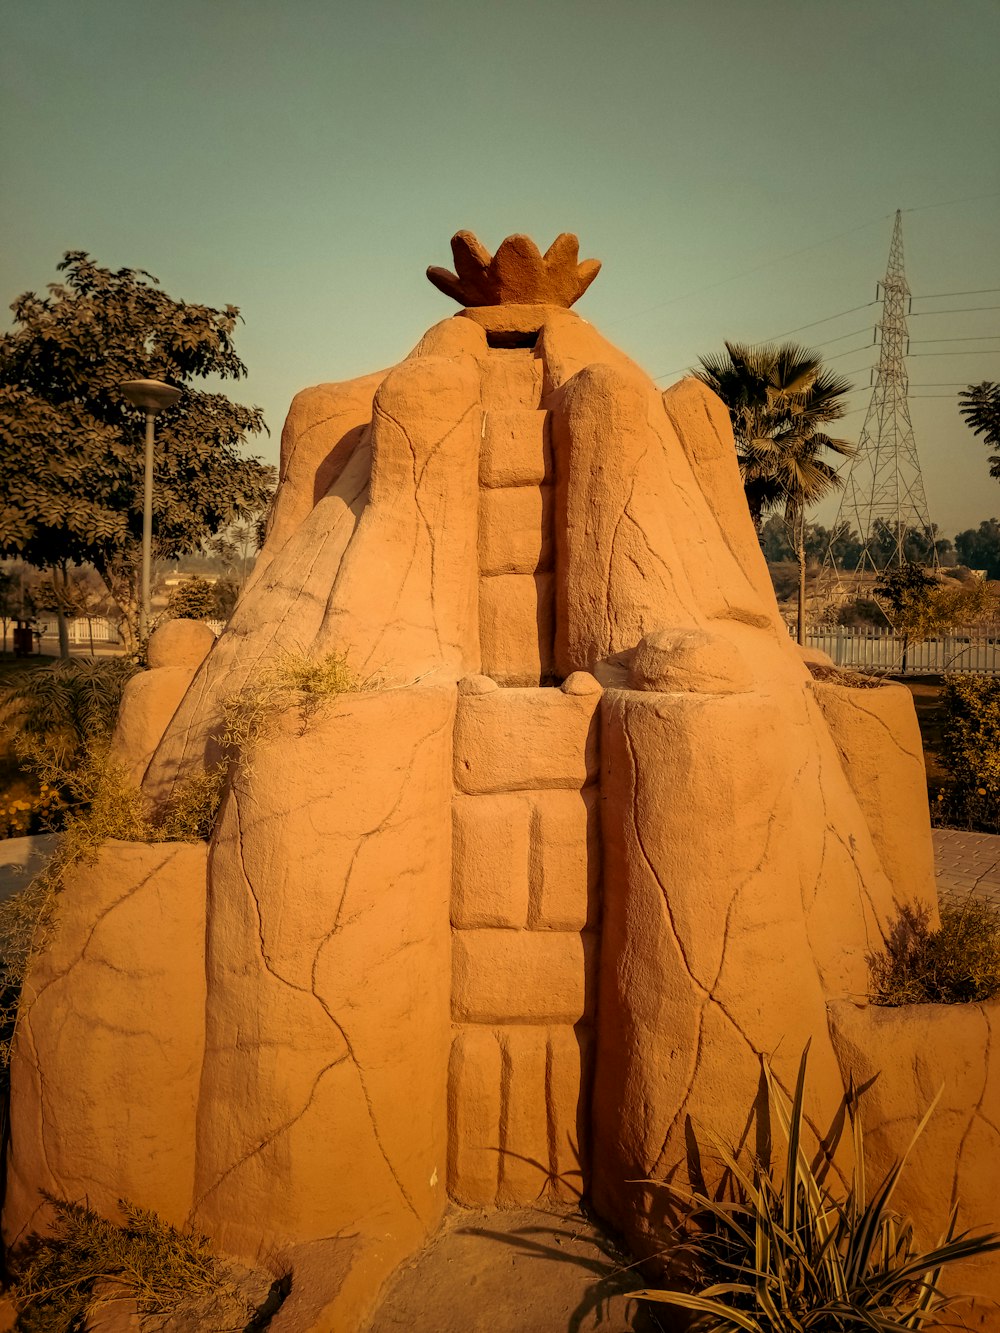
58	1279
785	1255
303	682
959	963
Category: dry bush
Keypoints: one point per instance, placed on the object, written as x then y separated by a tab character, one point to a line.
956	964
57	1279
248	715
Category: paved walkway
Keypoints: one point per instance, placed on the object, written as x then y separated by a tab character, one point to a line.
967	863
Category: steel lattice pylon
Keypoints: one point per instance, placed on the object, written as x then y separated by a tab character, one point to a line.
883	495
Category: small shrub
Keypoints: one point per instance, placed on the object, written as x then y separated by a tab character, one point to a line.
308	683
956	964
784	1253
193	808
194	598
970	752
161	1268
862	613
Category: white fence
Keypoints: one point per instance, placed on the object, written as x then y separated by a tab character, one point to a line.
876	650
880	650
96	631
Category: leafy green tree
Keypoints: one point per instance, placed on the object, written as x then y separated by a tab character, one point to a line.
779	397
979	548
918	605
844	545
71	455
193	599
919	546
775	541
979	404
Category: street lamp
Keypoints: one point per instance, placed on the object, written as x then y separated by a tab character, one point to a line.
152	396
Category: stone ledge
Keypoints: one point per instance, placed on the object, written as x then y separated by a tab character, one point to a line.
503	976
514	740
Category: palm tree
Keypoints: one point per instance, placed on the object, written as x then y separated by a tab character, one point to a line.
778	396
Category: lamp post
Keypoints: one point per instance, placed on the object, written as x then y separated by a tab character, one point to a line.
152	396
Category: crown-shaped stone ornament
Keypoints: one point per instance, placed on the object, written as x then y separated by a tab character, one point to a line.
518	274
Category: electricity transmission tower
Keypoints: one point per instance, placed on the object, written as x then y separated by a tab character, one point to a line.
883	496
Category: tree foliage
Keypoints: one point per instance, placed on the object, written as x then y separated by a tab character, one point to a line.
193	599
979	548
890	541
979	404
71	454
779	397
918	605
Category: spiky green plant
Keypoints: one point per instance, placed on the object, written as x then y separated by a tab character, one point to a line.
784	1255
56	712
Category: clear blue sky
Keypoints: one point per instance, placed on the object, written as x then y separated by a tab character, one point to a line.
734	163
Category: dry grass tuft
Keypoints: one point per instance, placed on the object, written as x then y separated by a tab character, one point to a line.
248	715
58	1279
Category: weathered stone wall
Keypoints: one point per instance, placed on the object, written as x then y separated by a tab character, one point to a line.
107	1055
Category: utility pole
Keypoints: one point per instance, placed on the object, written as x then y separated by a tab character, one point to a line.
883	496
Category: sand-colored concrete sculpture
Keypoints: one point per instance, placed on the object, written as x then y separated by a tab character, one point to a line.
175	652
111	1043
590	839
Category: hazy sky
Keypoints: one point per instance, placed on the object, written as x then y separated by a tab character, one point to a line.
734	163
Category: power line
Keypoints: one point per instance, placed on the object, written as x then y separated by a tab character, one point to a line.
735	277
866	306
853	334
952	310
973	338
867	347
975	291
947	203
968	351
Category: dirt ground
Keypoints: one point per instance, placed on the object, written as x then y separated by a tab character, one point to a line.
518	1272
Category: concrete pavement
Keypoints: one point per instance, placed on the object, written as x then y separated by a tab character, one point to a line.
967	863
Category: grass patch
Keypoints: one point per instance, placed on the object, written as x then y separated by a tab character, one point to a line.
956	964
58	1279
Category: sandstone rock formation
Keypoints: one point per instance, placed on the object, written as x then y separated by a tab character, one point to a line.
502	925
